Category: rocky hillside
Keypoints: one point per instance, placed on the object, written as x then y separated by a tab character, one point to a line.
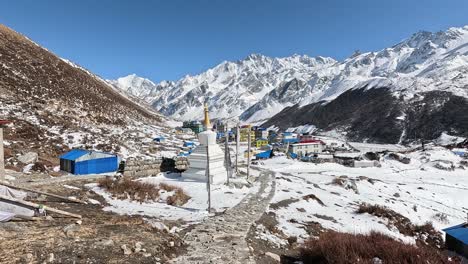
376	115
56	105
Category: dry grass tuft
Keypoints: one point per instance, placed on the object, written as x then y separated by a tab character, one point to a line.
134	190
167	187
425	234
142	192
313	197
179	198
335	247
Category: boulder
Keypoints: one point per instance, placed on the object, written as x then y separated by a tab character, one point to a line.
273	256
28	158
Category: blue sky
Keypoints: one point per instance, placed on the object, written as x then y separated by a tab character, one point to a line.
165	40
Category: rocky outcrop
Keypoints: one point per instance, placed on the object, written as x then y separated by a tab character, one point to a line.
377	115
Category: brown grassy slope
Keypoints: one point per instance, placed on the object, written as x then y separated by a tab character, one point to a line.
342	248
35	75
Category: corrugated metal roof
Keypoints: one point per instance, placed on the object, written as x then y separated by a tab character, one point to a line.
74	154
459	232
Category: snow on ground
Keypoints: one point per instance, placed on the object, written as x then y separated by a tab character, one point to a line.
222	198
446	139
417	190
368	147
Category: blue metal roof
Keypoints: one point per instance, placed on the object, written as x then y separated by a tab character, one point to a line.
74	154
459	232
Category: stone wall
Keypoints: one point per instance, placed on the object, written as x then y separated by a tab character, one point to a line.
181	163
135	167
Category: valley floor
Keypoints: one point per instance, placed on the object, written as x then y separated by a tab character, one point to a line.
287	202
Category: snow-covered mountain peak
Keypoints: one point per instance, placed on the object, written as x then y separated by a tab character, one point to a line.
259	86
134	85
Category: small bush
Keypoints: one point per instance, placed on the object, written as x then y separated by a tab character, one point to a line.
335	247
179	198
126	188
167	187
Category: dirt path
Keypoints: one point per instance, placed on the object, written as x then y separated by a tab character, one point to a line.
221	239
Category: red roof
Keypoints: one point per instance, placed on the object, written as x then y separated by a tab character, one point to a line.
312	141
3	122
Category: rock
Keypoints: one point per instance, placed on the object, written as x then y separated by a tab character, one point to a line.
28	158
105	243
160	226
71	229
138	247
273	256
376	260
51	258
146	255
49	218
396	195
79	222
126	250
171	244
28	258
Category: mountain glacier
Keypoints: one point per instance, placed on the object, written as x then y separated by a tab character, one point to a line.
259	87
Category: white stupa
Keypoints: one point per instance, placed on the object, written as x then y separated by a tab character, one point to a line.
198	158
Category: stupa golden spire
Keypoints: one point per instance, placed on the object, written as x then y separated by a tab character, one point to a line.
206	122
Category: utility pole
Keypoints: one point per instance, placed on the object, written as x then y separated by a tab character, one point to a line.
237	148
208	178
248	153
227	153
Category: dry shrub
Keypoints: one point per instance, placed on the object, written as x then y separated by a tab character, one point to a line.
39	166
140	191
335	247
167	187
424	234
338	181
313	197
179	198
126	188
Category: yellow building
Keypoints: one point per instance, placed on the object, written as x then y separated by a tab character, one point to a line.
261	142
244	134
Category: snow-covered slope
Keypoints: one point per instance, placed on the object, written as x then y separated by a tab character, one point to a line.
259	87
231	87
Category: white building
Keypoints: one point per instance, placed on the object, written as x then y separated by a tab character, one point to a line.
198	159
303	149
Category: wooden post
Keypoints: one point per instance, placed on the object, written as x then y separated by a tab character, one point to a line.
208	178
2	157
248	153
35	206
41	192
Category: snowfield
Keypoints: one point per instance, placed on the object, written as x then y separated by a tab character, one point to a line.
417	190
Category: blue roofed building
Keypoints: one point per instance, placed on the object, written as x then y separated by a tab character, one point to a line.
159	139
456	239
80	161
189	144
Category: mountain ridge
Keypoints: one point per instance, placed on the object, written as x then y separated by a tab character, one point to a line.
258	87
